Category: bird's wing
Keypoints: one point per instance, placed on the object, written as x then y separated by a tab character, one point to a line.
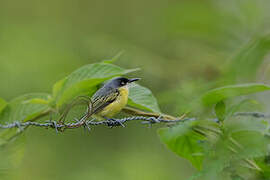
103	98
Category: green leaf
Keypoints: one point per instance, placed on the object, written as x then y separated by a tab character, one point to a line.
3	104
220	110
142	98
86	87
214	96
240	139
38	101
252	144
249	135
25	107
185	142
85	80
247	61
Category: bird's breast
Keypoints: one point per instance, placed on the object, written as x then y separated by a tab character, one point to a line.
116	106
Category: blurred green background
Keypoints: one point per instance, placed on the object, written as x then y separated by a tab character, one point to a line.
180	45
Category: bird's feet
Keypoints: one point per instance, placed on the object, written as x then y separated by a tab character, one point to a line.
114	122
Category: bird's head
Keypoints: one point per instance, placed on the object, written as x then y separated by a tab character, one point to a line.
120	82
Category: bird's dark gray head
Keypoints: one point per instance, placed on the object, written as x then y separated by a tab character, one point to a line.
120	82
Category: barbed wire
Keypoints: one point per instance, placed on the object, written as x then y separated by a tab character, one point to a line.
253	114
59	126
83	122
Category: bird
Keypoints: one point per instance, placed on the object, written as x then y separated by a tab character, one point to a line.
111	98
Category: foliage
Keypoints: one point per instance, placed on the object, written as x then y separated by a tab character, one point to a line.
229	147
214	49
216	95
83	81
219	147
142	98
185	142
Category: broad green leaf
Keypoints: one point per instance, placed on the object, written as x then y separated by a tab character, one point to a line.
86	87
25	107
21	109
217	158
214	96
247	136
95	71
220	110
3	104
252	144
242	138
221	156
142	98
38	101
185	142
247	61
85	81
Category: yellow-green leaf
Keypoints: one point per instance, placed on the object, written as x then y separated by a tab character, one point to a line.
25	107
185	142
214	96
84	81
142	98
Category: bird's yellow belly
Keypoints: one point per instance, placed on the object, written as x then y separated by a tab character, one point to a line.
116	106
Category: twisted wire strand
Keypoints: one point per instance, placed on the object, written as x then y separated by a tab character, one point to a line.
88	123
84	122
253	114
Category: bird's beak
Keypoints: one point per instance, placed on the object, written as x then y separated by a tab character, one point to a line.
133	80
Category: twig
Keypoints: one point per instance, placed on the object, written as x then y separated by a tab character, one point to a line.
137	112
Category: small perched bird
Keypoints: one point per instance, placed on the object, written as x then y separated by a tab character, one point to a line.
111	98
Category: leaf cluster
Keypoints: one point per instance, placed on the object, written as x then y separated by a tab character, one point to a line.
224	145
82	82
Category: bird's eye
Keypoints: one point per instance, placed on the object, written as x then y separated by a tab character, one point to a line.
123	83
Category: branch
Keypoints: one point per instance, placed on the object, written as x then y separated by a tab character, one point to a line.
138	112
